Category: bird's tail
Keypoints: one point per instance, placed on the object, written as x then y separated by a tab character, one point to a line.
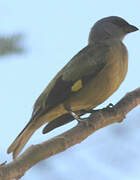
22	139
18	144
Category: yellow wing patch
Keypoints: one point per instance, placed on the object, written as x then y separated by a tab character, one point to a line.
77	85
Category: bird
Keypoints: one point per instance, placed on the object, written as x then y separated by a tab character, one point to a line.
86	81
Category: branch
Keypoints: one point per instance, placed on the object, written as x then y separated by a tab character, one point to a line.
98	119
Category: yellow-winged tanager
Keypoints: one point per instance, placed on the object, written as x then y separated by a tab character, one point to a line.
88	79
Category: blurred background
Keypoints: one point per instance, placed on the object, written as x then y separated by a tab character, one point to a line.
37	38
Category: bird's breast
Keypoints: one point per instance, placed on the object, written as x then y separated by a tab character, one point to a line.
115	71
105	83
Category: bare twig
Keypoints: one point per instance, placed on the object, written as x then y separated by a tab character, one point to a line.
98	119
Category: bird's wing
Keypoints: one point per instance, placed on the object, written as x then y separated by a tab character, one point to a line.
72	78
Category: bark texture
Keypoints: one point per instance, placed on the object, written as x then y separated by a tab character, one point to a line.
98	119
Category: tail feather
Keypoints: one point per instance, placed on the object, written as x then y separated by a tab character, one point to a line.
21	139
32	126
60	121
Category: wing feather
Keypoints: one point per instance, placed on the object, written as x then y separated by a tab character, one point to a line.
84	66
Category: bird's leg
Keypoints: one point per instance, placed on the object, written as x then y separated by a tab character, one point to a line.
80	113
74	115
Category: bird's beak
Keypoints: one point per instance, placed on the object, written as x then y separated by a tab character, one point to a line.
131	28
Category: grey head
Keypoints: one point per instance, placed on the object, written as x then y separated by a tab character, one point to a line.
110	27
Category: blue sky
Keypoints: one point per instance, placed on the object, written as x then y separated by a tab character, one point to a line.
54	32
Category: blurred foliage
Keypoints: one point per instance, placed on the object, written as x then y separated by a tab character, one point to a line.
11	44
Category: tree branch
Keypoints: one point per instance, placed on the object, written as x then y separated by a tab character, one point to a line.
98	119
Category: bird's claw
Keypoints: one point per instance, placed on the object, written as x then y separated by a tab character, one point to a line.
110	105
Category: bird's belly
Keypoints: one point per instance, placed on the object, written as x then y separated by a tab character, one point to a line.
101	87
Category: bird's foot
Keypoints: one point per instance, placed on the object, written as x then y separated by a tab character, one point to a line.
110	105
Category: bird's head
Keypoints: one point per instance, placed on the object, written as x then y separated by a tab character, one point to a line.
110	27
